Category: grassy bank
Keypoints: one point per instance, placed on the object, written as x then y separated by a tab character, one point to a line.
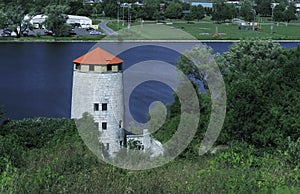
48	156
51	38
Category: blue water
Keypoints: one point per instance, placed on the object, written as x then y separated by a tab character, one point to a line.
36	78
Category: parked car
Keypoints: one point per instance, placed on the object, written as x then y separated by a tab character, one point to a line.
48	32
94	32
237	21
6	33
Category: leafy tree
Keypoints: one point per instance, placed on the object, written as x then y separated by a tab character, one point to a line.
56	20
150	7
12	16
158	15
74	7
247	11
264	7
197	12
289	13
262	92
110	8
174	11
278	13
223	11
82	12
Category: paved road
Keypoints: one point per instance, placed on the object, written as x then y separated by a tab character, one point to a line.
108	31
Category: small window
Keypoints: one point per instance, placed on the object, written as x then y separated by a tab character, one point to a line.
91	68
104	106
104	125
97	125
109	67
120	67
120	124
77	66
96	107
107	146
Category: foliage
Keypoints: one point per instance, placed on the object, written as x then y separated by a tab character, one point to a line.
247	11
197	12
223	11
173	11
63	159
262	93
56	20
284	13
263	7
292	152
134	144
110	8
11	17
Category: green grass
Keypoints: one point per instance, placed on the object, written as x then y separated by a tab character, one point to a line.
51	38
150	31
48	156
204	31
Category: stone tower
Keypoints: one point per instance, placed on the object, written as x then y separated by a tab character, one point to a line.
98	90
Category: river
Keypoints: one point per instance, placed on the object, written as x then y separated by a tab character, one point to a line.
36	77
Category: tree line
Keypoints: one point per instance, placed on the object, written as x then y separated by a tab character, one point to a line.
12	12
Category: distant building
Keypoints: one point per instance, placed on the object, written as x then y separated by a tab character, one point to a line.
38	20
204	4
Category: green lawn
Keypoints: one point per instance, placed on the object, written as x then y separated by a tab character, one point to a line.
204	30
152	31
51	38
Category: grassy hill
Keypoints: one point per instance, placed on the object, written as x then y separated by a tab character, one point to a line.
48	156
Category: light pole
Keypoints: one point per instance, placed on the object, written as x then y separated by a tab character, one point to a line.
118	3
123	5
254	13
129	16
273	5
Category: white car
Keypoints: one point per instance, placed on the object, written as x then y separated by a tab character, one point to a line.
94	32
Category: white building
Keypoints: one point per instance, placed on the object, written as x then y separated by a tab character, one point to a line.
38	20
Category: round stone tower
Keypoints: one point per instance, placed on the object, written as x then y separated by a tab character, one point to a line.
98	90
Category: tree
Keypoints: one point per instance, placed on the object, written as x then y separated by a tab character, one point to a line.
262	92
56	20
74	7
289	13
264	7
197	12
12	16
278	13
174	11
110	8
247	11
223	11
150	7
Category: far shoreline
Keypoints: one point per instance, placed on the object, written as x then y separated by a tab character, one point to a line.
151	41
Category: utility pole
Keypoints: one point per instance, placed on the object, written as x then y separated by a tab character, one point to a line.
129	16
118	3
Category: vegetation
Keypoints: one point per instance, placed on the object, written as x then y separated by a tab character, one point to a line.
261	131
48	156
227	31
12	13
56	20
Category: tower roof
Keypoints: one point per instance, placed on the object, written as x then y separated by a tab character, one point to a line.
98	56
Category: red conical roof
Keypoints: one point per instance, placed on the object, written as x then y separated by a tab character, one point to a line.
98	56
